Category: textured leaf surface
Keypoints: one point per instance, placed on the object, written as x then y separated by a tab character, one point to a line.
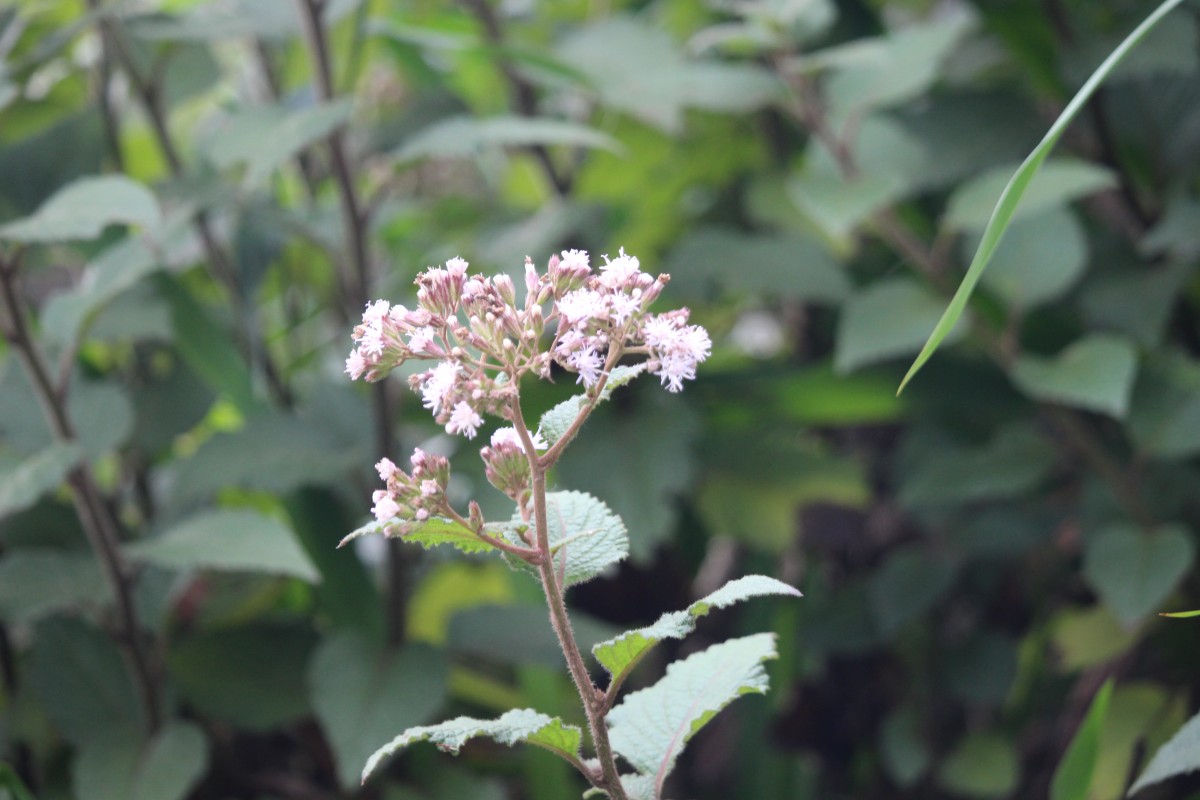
362	693
23	483
431	533
518	725
228	540
651	727
468	136
1095	373
1177	757
621	654
556	421
585	536
1133	571
83	209
118	766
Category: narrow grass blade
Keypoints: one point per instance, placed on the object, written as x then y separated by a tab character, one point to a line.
1007	205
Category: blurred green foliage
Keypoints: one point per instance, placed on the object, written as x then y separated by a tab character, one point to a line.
198	216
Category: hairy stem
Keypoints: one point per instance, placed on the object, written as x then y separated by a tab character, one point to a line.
593	699
97	521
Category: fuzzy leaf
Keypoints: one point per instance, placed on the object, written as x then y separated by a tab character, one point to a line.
430	533
585	536
554	423
83	209
228	540
518	725
1178	756
621	654
651	727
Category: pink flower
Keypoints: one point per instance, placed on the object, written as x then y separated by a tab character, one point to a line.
438	384
356	365
588	364
385	507
581	305
386	469
464	420
509	437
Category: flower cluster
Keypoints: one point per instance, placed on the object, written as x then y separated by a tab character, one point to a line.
416	496
484	341
507	465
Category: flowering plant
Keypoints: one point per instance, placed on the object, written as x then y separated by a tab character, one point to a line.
484	342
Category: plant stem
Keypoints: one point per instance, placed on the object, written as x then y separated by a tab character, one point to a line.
594	704
97	521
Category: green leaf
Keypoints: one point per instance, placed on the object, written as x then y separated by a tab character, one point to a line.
883	321
555	422
585	536
1073	777
620	655
78	676
1177	757
1006	207
1164	415
22	484
1180	614
1095	373
983	765
651	727
431	533
248	676
518	725
361	693
1057	183
265	138
12	784
119	766
35	582
235	19
908	584
84	208
771	265
1039	259
238	541
904	751
838	205
1133	572
465	137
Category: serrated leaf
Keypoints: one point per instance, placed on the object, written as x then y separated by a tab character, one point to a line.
621	654
23	483
35	582
84	208
518	725
119	766
430	533
361	693
1095	373
883	321
461	137
555	422
585	536
239	541
651	727
1073	776
1177	757
1134	571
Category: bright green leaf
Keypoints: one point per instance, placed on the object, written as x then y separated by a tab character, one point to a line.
1134	571
83	209
361	693
650	728
1180	614
1006	206
1095	373
620	655
1073	776
240	541
518	725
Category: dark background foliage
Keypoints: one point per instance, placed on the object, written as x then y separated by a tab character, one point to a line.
977	555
